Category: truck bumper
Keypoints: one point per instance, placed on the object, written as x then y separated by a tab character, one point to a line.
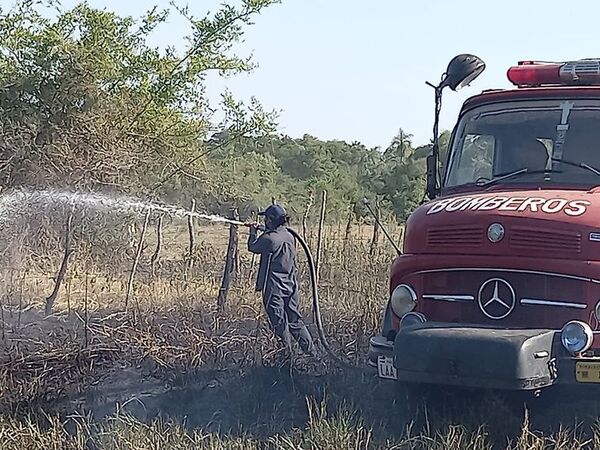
477	357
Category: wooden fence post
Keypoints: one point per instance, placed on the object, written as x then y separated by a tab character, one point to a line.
68	281
63	266
2	317
156	253
375	238
348	231
228	271
320	233
191	235
21	299
136	260
309	204
236	252
86	307
252	263
401	238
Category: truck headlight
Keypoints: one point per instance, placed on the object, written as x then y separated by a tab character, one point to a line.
576	336
412	318
403	300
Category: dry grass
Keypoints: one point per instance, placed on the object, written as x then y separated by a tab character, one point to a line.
321	432
173	373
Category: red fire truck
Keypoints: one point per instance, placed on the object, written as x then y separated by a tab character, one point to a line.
498	283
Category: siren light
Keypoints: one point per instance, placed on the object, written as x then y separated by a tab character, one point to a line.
533	73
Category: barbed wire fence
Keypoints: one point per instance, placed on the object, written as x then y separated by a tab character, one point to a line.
105	263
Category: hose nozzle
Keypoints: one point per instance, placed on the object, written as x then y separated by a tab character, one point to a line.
258	226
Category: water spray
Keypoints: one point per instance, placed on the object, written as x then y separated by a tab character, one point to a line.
12	202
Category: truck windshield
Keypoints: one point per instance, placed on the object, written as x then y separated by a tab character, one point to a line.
527	142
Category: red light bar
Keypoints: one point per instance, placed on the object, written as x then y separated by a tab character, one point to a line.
534	74
530	73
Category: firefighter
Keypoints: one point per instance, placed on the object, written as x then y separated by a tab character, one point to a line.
276	278
532	155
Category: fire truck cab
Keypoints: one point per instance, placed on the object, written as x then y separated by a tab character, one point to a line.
498	283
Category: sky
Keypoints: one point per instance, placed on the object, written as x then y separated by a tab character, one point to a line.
356	70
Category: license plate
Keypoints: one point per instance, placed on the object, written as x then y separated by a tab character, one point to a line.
386	369
587	372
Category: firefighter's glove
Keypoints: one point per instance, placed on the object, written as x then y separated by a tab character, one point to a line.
256	226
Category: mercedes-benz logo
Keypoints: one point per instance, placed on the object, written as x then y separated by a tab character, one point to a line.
496	298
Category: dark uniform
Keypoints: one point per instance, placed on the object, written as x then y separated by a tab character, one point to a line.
277	281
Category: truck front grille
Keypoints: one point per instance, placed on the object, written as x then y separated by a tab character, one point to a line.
544	240
450	236
540	299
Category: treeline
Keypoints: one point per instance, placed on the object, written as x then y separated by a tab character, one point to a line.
251	171
86	103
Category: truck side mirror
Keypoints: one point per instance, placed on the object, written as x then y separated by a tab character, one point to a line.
432	185
461	71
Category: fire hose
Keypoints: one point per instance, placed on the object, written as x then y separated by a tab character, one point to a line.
315	297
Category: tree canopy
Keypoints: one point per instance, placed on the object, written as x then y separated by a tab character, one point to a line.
86	103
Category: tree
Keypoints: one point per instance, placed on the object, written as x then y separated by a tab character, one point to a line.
400	148
86	102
